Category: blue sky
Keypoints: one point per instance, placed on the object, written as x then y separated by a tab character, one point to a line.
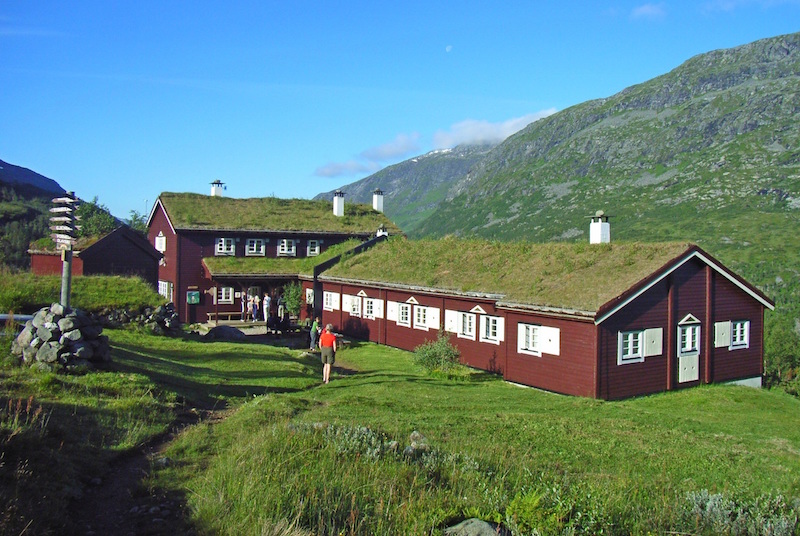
125	100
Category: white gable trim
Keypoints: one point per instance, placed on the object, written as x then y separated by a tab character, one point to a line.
166	216
362	294
689	319
678	264
478	310
412	300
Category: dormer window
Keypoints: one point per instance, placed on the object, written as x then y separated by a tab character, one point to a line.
255	247
224	246
286	248
313	248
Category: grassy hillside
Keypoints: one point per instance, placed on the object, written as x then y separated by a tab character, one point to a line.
387	449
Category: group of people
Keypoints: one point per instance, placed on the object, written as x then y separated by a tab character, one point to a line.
252	306
327	345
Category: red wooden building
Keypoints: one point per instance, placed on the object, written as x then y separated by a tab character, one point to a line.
218	251
123	251
606	321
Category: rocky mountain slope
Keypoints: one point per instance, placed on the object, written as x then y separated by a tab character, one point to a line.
414	188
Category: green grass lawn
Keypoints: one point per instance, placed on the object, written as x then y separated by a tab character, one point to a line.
297	457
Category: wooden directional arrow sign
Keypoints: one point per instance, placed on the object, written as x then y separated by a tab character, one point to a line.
62	209
65	200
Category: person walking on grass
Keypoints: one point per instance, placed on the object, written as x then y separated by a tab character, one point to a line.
327	345
315	329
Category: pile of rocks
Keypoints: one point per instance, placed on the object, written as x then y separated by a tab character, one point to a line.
161	320
60	339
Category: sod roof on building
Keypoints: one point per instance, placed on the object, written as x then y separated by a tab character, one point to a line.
188	211
271	266
573	276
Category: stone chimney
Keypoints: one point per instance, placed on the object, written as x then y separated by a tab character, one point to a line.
599	229
377	200
217	188
338	203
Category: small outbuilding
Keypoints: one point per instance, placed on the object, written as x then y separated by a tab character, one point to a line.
123	251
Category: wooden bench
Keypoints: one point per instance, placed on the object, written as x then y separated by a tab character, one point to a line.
229	316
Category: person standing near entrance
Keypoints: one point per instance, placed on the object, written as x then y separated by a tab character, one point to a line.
256	307
266	303
314	333
244	306
327	345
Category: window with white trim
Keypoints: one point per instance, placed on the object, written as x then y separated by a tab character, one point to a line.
404	314
224	246
161	242
688	340
466	325
355	306
740	334
225	295
369	308
630	347
286	248
255	247
165	289
528	341
420	317
330	301
312	250
491	329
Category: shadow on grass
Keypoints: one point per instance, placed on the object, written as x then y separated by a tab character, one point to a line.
201	386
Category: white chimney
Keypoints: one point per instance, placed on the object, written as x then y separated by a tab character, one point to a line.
216	188
377	200
599	229
338	203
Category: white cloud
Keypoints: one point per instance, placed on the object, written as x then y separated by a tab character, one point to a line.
402	145
351	167
448	48
475	132
649	11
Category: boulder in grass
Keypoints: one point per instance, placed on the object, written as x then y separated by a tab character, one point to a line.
476	527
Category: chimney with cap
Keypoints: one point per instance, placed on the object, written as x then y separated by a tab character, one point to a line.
377	200
338	203
599	229
216	188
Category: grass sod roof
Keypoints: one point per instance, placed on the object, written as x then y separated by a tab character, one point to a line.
261	266
573	276
203	212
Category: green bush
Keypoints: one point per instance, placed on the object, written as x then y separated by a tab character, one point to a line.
438	355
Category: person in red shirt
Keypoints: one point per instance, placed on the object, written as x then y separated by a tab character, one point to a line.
327	345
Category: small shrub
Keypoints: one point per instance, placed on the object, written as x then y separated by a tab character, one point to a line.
714	513
438	355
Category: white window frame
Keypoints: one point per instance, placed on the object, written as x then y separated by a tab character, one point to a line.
224	247
225	295
630	347
165	289
369	308
689	339
287	247
255	247
529	341
404	314
330	301
421	317
160	242
355	306
313	248
491	329
466	325
740	334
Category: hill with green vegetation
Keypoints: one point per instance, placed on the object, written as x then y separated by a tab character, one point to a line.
414	188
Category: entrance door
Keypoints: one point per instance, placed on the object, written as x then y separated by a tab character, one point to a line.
689	349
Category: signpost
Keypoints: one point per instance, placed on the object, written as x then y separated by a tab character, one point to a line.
65	229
